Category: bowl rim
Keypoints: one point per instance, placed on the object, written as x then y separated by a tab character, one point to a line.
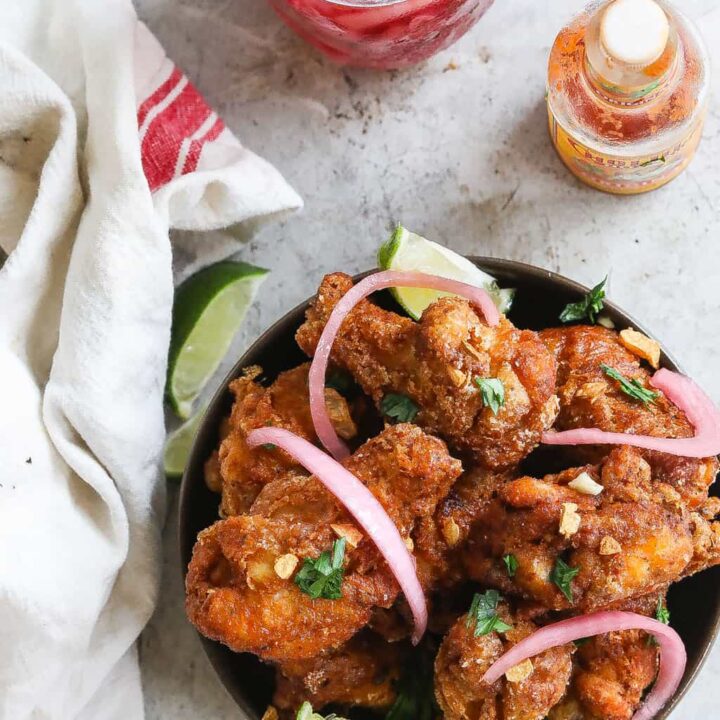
491	265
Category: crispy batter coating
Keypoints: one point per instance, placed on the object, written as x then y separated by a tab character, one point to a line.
363	672
434	362
612	672
240	472
654	536
234	592
439	538
463	660
589	398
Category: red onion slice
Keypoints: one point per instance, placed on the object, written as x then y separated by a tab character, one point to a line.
378	281
363	506
687	396
672	651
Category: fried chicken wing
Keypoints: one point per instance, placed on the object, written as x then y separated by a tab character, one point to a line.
589	398
463	659
612	672
364	672
434	362
629	542
236	592
440	536
240	472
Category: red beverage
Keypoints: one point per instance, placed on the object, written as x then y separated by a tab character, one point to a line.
380	34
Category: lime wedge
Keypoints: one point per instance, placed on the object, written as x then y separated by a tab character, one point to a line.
410	252
208	311
179	444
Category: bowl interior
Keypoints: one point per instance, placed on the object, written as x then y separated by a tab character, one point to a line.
694	603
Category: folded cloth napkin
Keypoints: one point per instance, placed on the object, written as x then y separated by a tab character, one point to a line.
104	145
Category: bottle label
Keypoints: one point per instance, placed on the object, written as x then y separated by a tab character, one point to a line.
624	174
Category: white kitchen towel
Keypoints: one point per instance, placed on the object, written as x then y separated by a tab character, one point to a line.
104	145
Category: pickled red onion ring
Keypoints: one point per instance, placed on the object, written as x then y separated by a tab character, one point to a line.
672	651
377	281
687	396
363	506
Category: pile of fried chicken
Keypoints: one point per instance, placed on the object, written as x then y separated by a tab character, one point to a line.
499	552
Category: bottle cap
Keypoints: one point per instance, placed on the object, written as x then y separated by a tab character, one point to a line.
634	32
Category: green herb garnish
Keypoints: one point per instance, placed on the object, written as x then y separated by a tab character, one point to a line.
662	614
633	387
511	564
588	307
399	407
269	446
493	393
483	614
562	575
306	713
323	576
581	641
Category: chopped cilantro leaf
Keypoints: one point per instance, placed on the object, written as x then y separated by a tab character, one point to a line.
562	575
587	308
662	614
483	614
322	577
399	407
306	713
633	387
511	564
493	393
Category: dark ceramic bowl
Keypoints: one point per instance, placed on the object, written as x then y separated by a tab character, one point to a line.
694	603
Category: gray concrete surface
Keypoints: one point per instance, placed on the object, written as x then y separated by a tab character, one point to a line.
456	149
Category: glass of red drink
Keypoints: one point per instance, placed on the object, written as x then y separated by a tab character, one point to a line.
380	34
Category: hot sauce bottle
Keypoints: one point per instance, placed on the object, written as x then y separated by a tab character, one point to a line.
627	94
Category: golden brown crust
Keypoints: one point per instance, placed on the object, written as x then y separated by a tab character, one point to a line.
434	362
285	404
589	398
364	672
234	592
524	520
463	660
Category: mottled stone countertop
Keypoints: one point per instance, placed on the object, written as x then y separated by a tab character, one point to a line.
456	149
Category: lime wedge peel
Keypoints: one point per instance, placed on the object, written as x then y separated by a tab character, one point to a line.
208	311
179	444
410	252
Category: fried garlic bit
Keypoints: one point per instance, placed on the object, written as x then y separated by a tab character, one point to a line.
642	346
610	546
351	534
584	484
451	532
285	566
521	671
569	520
